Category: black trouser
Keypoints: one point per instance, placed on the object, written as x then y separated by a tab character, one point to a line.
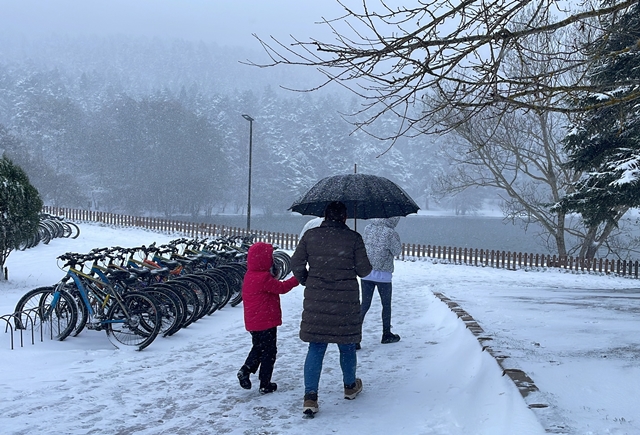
263	354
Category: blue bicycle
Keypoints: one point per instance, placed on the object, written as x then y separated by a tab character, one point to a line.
88	299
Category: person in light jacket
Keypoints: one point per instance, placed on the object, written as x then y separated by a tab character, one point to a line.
313	223
262	315
335	256
383	244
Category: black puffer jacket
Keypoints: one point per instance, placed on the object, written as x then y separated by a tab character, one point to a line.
336	257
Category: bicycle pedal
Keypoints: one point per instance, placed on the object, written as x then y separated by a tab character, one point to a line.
94	326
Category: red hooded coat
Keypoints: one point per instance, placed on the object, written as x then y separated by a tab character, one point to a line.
261	291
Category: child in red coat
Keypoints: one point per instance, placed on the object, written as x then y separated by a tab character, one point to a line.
262	315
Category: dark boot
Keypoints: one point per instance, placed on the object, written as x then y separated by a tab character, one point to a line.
243	377
389	337
268	388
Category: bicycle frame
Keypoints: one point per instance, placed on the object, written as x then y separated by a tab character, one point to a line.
96	320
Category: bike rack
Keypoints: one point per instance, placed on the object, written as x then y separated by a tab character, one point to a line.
18	319
7	319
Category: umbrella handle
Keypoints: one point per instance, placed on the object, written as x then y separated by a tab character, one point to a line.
355	219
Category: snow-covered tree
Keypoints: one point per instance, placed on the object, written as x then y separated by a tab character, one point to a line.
605	141
20	205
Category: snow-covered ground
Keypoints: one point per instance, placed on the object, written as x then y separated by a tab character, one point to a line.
575	335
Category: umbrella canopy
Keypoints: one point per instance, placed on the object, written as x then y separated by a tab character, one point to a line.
366	196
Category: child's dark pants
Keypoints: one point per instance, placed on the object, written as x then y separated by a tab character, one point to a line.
263	354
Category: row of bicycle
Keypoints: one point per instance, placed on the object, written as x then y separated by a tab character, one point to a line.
50	227
136	294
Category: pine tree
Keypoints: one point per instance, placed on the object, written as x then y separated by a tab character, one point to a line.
605	143
20	205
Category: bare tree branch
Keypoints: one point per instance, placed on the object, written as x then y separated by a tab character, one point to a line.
520	153
394	58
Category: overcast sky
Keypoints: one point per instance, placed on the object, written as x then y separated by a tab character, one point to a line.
227	22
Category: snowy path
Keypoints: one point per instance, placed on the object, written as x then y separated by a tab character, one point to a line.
574	334
435	381
185	384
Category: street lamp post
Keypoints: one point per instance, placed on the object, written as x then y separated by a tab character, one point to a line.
250	119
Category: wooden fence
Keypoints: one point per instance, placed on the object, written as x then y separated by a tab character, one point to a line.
190	229
519	260
468	256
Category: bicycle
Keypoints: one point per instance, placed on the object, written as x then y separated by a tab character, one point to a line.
129	318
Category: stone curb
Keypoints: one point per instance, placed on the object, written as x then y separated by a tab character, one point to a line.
521	380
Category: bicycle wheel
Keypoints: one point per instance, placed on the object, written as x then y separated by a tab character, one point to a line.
83	311
55	228
212	287
70	230
283	262
134	322
190	298
224	287
44	231
235	278
51	311
201	290
30	241
181	305
170	311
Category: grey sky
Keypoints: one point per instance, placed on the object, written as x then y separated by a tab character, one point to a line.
227	22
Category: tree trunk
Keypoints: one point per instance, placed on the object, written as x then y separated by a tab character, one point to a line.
559	236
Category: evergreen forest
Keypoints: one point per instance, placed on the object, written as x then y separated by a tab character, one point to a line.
151	126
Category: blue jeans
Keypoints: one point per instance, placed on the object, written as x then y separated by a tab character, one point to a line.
313	365
384	289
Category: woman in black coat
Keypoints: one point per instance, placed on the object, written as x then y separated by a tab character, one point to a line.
335	256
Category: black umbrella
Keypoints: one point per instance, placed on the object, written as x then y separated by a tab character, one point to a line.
366	196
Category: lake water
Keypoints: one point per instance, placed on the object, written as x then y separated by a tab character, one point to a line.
482	232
